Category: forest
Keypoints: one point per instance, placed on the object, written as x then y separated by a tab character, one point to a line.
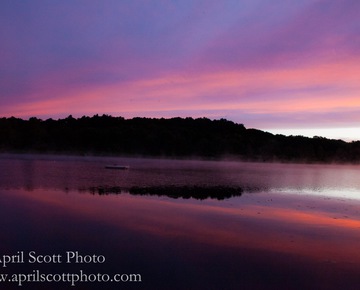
172	138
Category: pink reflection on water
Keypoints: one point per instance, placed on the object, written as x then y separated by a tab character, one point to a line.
322	229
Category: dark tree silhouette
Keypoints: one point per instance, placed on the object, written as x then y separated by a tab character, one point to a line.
175	137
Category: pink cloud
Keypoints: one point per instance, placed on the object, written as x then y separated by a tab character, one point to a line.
250	60
318	89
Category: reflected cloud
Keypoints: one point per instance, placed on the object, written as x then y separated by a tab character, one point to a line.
254	233
311	227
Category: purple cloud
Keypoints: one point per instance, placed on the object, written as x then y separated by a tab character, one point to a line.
179	57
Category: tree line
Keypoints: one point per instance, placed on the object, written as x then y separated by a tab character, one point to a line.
186	192
175	137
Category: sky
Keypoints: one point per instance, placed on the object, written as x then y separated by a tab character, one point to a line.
287	67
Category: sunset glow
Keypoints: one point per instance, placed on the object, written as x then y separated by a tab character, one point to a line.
290	68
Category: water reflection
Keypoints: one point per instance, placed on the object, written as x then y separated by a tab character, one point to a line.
195	244
73	173
185	225
196	192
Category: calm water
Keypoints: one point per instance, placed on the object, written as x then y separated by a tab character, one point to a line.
182	224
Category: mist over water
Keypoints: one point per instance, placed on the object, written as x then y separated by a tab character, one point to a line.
185	224
74	173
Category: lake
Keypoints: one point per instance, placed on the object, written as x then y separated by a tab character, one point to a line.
177	224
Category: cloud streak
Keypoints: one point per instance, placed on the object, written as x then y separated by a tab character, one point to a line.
267	66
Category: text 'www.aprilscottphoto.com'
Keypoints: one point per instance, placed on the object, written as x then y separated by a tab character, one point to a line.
70	257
